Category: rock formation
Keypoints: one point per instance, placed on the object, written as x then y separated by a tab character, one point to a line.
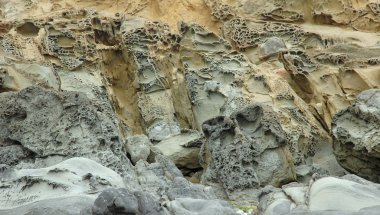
356	132
189	107
329	195
247	150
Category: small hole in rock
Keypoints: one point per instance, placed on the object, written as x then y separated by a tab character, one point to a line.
28	29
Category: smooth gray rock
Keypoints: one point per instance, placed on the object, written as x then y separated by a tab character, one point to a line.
188	206
274	201
182	149
123	201
271	46
356	132
138	148
75	177
349	195
339	194
73	205
157	177
305	172
162	130
182	188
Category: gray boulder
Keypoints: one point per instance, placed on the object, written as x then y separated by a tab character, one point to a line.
247	150
73	205
123	201
182	149
182	188
39	123
270	47
33	190
158	176
349	195
189	206
329	194
356	132
163	178
138	147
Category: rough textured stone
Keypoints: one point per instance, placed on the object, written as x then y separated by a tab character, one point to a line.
356	132
248	149
12	153
68	124
221	81
164	68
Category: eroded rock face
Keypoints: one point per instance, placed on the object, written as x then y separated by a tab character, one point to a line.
36	122
356	133
249	149
173	78
221	81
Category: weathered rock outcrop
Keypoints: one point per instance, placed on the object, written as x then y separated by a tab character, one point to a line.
356	133
36	123
221	81
247	150
82	186
238	95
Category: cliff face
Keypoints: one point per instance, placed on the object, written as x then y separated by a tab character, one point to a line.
238	95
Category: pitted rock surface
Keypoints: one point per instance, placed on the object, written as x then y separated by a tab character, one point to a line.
356	133
40	123
164	91
247	150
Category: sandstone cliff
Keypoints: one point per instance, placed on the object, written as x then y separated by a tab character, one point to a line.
262	106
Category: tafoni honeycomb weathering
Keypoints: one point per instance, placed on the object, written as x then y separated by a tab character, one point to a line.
181	107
